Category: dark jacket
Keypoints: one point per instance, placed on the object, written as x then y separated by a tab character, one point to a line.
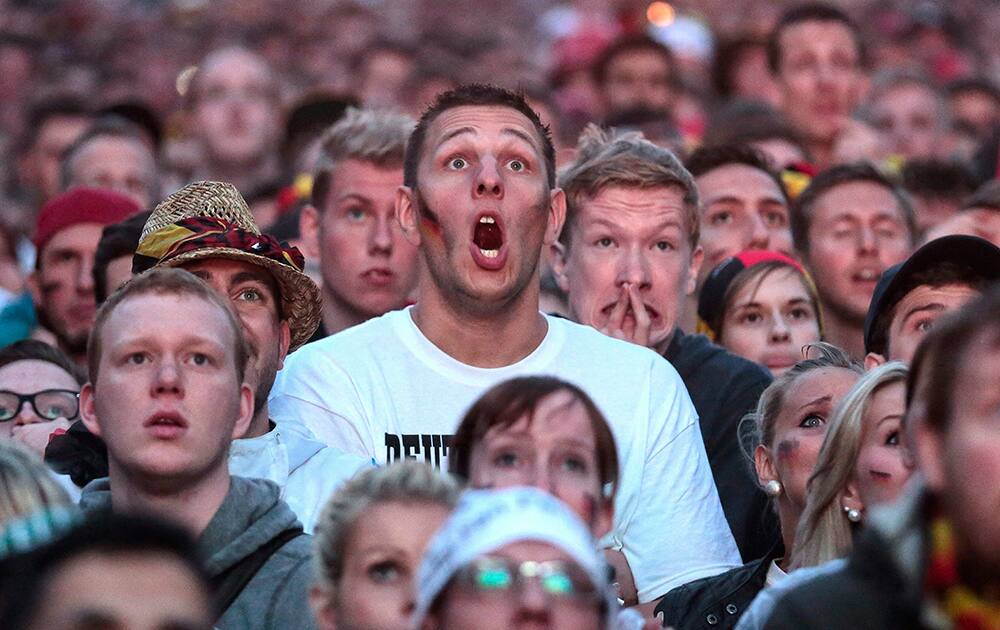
250	516
882	584
723	388
716	602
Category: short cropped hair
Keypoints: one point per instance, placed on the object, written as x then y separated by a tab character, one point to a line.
376	137
504	404
611	158
34	350
943	353
708	159
164	281
629	44
47	108
108	126
476	94
117	240
814	12
804	207
406	481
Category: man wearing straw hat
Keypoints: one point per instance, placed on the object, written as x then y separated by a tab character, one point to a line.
207	229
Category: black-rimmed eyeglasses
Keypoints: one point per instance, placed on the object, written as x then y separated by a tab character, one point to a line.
48	403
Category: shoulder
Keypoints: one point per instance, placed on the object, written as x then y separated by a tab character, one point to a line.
601	351
703	358
355	338
685	605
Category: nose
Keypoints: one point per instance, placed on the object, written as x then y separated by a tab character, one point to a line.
26	415
167	378
488	182
633	268
867	243
533	602
85	275
380	239
542	477
760	237
779	328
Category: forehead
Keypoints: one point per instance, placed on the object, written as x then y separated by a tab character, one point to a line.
234	68
908	93
889	399
819	382
979	367
31	375
485	122
777	285
858	199
524	550
82	237
359	175
737	180
816	35
169	318
639	59
107	147
560	414
629	207
225	271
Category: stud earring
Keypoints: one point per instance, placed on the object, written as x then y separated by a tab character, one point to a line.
853	514
773	488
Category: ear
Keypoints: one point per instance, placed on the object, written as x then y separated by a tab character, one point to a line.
557	215
406	214
558	257
246	412
284	342
764	465
694	268
321	603
309	231
929	445
604	517
873	360
88	411
850	498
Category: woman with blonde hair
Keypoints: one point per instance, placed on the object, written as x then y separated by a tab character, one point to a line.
33	506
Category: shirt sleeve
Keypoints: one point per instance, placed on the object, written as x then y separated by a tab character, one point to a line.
678	532
313	394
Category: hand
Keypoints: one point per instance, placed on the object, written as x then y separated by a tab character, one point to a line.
629	301
36	435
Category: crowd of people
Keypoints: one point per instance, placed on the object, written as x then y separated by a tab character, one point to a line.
397	316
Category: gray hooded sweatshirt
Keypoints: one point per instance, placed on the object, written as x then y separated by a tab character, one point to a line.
251	515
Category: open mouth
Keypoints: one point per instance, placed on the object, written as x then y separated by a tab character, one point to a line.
166	425
487	245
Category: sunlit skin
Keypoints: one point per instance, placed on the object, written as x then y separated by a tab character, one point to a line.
910	118
799	430
820	80
857	231
771	321
138	591
125	165
29	377
368	267
167	402
637	78
63	285
481	161
253	293
882	467
915	314
376	590
742	208
961	463
527	606
628	265
555	451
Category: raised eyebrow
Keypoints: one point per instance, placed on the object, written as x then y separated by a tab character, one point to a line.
354	197
722	199
510	131
249	276
817	401
456	132
933	307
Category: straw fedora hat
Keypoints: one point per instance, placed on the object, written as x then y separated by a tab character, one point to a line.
300	297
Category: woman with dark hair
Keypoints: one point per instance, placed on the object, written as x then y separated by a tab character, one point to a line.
763	306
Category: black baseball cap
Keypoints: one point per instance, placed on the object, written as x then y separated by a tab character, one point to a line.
979	256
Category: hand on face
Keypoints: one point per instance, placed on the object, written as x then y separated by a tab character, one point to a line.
36	436
629	320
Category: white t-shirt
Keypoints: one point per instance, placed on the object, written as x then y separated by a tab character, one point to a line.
383	390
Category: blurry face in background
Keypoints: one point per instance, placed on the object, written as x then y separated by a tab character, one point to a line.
554	450
63	286
637	78
376	590
857	232
881	469
40	168
978	109
909	117
770	320
139	591
124	165
820	77
742	208
384	79
236	113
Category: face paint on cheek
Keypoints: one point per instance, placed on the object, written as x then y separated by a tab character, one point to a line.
428	218
788	449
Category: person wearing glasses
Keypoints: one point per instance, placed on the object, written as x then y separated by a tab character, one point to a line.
39	393
509	559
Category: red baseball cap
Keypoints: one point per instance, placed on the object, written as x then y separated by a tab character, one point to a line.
81	205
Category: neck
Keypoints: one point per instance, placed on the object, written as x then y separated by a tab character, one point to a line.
487	339
821	152
192	506
338	315
788	517
260	424
846	333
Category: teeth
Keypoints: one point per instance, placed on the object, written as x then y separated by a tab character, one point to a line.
487	220
867	274
490	253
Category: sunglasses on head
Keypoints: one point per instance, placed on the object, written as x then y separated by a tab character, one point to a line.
558	578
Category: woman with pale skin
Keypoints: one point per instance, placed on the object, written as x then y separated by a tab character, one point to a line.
784	436
762	306
39	388
369	542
